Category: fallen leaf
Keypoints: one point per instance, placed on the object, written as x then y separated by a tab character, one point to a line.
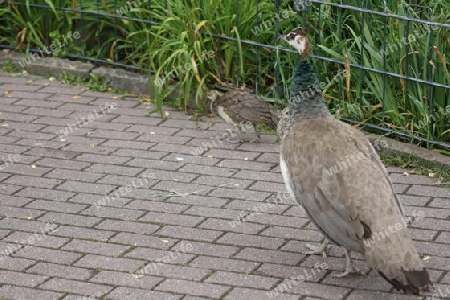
152	132
431	174
91	145
29	218
426	258
138	276
179	158
51	79
29	81
210	156
76	97
33	166
405	174
62	140
4	125
176	180
246	158
167	113
8	92
165	241
115	97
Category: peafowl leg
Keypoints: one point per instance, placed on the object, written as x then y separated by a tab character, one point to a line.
350	268
258	137
322	249
237	138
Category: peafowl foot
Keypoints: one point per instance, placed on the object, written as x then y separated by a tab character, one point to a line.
322	249
350	268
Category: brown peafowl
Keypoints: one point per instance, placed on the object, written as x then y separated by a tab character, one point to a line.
332	170
243	109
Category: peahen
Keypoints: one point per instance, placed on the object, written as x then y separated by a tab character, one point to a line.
243	110
332	170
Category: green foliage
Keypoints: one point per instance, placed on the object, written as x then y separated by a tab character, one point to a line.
95	82
173	39
8	66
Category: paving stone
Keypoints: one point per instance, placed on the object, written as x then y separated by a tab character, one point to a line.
91	261
116	213
84	233
15	292
366	295
15	263
192	288
75	175
233	225
60	271
84	288
247	240
101	248
21	279
224	264
56	206
163	256
288	272
125	293
69	219
174	271
52	195
48	241
124	279
244	294
157	206
430	191
172	219
128	226
235	279
47	255
142	240
199	200
240	194
318	290
206	249
30	181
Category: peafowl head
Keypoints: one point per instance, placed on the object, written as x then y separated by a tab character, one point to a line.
299	41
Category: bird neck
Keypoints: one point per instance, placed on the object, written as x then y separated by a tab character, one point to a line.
306	99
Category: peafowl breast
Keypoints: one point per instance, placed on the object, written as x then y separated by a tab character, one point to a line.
243	109
332	170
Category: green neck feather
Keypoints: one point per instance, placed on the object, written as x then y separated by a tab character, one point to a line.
306	100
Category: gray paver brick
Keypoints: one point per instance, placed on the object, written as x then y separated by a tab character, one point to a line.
96	250
224	264
91	261
127	226
79	287
21	279
189	233
192	288
125	293
60	271
15	292
234	279
126	279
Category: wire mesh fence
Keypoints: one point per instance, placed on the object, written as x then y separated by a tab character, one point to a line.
382	65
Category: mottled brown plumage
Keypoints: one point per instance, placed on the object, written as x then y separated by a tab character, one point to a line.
332	170
243	109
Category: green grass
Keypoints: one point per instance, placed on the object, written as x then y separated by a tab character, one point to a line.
180	45
9	67
418	167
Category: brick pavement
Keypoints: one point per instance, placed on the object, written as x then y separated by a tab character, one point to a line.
174	234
